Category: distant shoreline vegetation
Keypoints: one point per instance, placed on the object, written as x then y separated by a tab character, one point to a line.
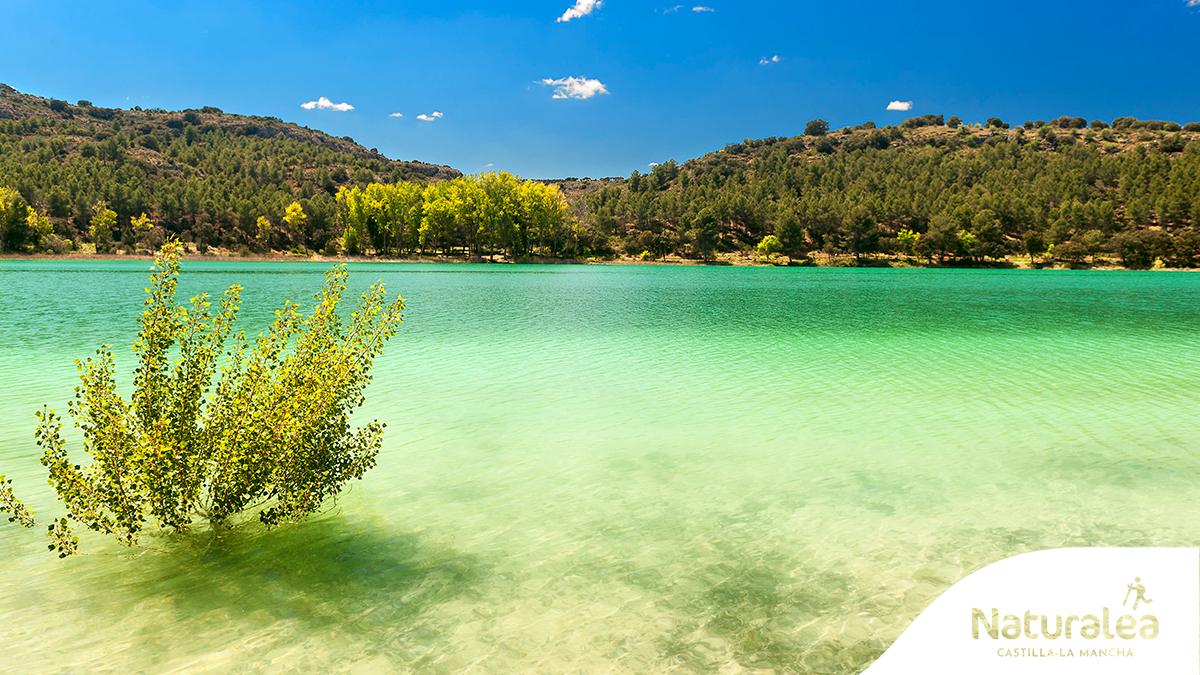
876	261
931	191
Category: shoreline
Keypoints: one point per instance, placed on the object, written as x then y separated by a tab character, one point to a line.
725	260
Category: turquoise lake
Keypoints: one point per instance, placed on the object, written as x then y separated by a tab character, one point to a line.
632	468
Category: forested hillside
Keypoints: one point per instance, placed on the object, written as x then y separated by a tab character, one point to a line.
932	189
201	175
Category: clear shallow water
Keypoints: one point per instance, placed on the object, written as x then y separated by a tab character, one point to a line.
635	468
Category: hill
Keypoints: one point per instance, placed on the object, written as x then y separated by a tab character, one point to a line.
929	190
203	175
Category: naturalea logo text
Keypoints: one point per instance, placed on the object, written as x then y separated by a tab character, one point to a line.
1033	626
1042	626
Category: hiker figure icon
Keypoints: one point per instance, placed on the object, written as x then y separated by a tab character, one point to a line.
1136	588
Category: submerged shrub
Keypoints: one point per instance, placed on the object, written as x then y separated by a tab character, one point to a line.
15	508
218	425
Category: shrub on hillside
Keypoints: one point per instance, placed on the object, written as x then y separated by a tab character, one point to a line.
923	121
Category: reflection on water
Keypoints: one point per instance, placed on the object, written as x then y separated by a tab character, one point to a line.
636	469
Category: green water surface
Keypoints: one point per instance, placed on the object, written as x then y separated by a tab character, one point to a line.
637	469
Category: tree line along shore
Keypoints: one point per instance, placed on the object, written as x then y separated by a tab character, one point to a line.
76	180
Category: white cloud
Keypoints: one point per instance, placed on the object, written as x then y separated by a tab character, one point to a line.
323	103
396	114
580	9
902	106
431	117
1193	3
699	9
768	60
578	88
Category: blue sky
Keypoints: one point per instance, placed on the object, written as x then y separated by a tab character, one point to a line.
638	82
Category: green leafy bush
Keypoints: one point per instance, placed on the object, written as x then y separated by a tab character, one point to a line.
923	121
217	425
15	508
769	246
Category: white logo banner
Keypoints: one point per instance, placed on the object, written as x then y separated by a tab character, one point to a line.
1074	610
